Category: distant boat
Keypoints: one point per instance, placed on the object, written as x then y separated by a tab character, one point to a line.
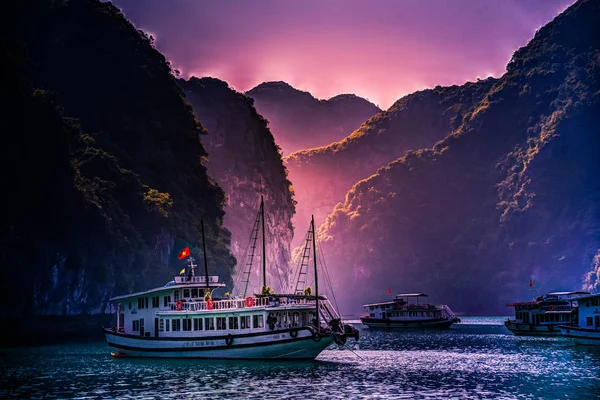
183	320
587	329
408	310
544	315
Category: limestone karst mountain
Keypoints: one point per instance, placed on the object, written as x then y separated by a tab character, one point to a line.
246	163
513	192
299	121
104	167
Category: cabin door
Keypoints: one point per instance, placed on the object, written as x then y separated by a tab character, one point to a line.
141	326
121	324
597	321
384	315
155	327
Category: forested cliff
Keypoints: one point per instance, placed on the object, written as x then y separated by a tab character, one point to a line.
512	193
104	169
246	163
415	121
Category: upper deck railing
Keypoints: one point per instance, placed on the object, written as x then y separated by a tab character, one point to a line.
556	308
404	306
234	304
181	279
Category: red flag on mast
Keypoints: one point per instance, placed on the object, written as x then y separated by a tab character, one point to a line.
530	282
184	253
389	291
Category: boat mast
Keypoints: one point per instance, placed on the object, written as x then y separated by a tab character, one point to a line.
264	253
312	224
204	250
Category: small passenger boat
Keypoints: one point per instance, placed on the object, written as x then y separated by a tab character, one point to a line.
408	310
544	315
587	329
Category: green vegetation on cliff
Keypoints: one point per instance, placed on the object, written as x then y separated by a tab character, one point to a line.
104	167
415	121
512	193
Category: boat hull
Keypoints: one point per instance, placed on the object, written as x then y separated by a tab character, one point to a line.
581	336
267	345
532	330
391	324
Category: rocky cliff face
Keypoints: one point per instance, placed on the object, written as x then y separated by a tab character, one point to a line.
300	121
105	163
511	193
245	162
323	176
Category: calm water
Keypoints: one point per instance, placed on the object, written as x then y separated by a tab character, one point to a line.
476	359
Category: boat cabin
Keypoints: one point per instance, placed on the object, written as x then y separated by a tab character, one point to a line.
179	309
404	306
589	312
553	308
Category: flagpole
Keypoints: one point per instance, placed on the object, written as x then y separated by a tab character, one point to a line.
204	250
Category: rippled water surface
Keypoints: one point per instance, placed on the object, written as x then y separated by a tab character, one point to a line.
476	359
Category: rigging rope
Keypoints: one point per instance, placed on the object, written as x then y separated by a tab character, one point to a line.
239	276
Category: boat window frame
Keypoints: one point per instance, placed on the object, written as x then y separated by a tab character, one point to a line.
209	324
175	323
197	324
186	325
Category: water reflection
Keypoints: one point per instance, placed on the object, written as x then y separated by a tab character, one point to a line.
474	360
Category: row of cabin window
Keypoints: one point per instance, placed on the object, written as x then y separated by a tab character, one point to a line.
142	302
591	321
187	293
210	323
595	302
554	317
410	314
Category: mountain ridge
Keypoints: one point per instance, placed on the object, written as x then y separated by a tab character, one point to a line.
299	120
510	194
415	121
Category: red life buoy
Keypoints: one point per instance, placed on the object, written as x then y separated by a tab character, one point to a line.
249	301
179	305
210	304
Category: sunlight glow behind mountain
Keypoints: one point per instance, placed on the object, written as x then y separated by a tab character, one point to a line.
380	50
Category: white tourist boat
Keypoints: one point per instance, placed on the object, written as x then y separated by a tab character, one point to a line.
544	315
408	310
587	330
184	320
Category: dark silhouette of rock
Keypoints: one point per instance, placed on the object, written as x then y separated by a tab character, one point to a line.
104	165
300	121
245	162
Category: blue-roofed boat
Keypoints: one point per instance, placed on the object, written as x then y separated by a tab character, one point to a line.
587	329
544	315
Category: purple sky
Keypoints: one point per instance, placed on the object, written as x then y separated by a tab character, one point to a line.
377	49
